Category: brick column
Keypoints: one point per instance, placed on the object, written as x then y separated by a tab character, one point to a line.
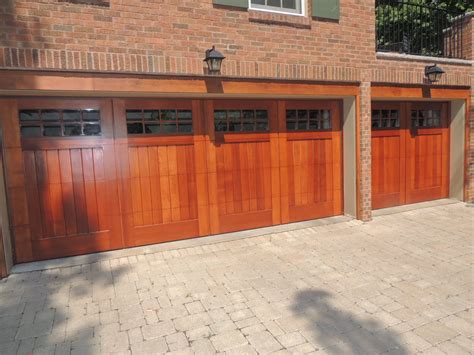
365	158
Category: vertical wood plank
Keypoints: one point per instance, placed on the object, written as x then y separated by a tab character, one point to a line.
145	189
44	194
90	190
79	191
56	195
183	183
165	183
103	201
155	185
31	185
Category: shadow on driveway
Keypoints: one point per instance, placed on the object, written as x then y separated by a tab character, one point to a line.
340	332
57	310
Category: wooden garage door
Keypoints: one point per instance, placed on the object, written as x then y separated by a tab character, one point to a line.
96	175
310	159
155	145
69	176
243	164
410	152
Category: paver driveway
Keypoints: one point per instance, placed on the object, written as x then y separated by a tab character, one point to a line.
400	284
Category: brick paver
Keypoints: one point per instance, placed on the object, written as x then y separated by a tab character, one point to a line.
401	284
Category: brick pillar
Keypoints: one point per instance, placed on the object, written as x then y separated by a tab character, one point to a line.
365	158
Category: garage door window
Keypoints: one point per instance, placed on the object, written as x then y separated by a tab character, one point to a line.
385	119
241	120
308	120
426	118
60	123
159	121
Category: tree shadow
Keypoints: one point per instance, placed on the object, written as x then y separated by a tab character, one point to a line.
19	36
340	332
59	310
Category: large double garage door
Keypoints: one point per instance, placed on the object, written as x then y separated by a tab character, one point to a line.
107	174
410	152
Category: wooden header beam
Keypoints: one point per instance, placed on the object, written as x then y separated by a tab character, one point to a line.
418	93
41	83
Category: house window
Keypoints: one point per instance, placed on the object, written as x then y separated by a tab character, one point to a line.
60	123
241	120
167	121
285	6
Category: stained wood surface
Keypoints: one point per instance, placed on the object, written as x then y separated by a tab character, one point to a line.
71	190
158	180
71	196
311	166
243	165
410	165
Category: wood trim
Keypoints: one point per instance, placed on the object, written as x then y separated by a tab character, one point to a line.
411	93
34	82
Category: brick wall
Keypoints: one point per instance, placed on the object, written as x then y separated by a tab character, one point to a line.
171	37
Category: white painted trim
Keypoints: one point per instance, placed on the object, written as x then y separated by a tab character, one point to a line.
349	128
457	125
422	58
302	14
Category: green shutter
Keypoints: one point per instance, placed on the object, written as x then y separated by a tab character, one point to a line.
326	9
235	3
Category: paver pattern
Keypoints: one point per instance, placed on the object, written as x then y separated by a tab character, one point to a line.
400	284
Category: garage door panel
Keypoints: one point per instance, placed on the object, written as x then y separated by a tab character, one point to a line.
310	160
241	149
427	151
409	159
158	169
387	161
161	190
244	177
66	196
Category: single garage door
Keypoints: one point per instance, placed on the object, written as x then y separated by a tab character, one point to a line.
68	162
310	159
105	174
156	159
410	152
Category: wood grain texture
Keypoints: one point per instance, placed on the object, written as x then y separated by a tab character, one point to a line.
388	160
311	166
246	184
71	191
80	195
410	165
158	176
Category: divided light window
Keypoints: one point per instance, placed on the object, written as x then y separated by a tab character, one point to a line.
241	120
385	119
167	121
60	123
426	118
288	6
308	120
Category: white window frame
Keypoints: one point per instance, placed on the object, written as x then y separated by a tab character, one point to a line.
265	8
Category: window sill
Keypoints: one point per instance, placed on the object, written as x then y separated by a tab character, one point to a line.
273	18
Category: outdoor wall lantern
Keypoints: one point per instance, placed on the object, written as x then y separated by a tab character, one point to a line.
433	73
214	60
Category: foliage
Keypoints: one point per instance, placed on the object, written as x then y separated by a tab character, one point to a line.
423	27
